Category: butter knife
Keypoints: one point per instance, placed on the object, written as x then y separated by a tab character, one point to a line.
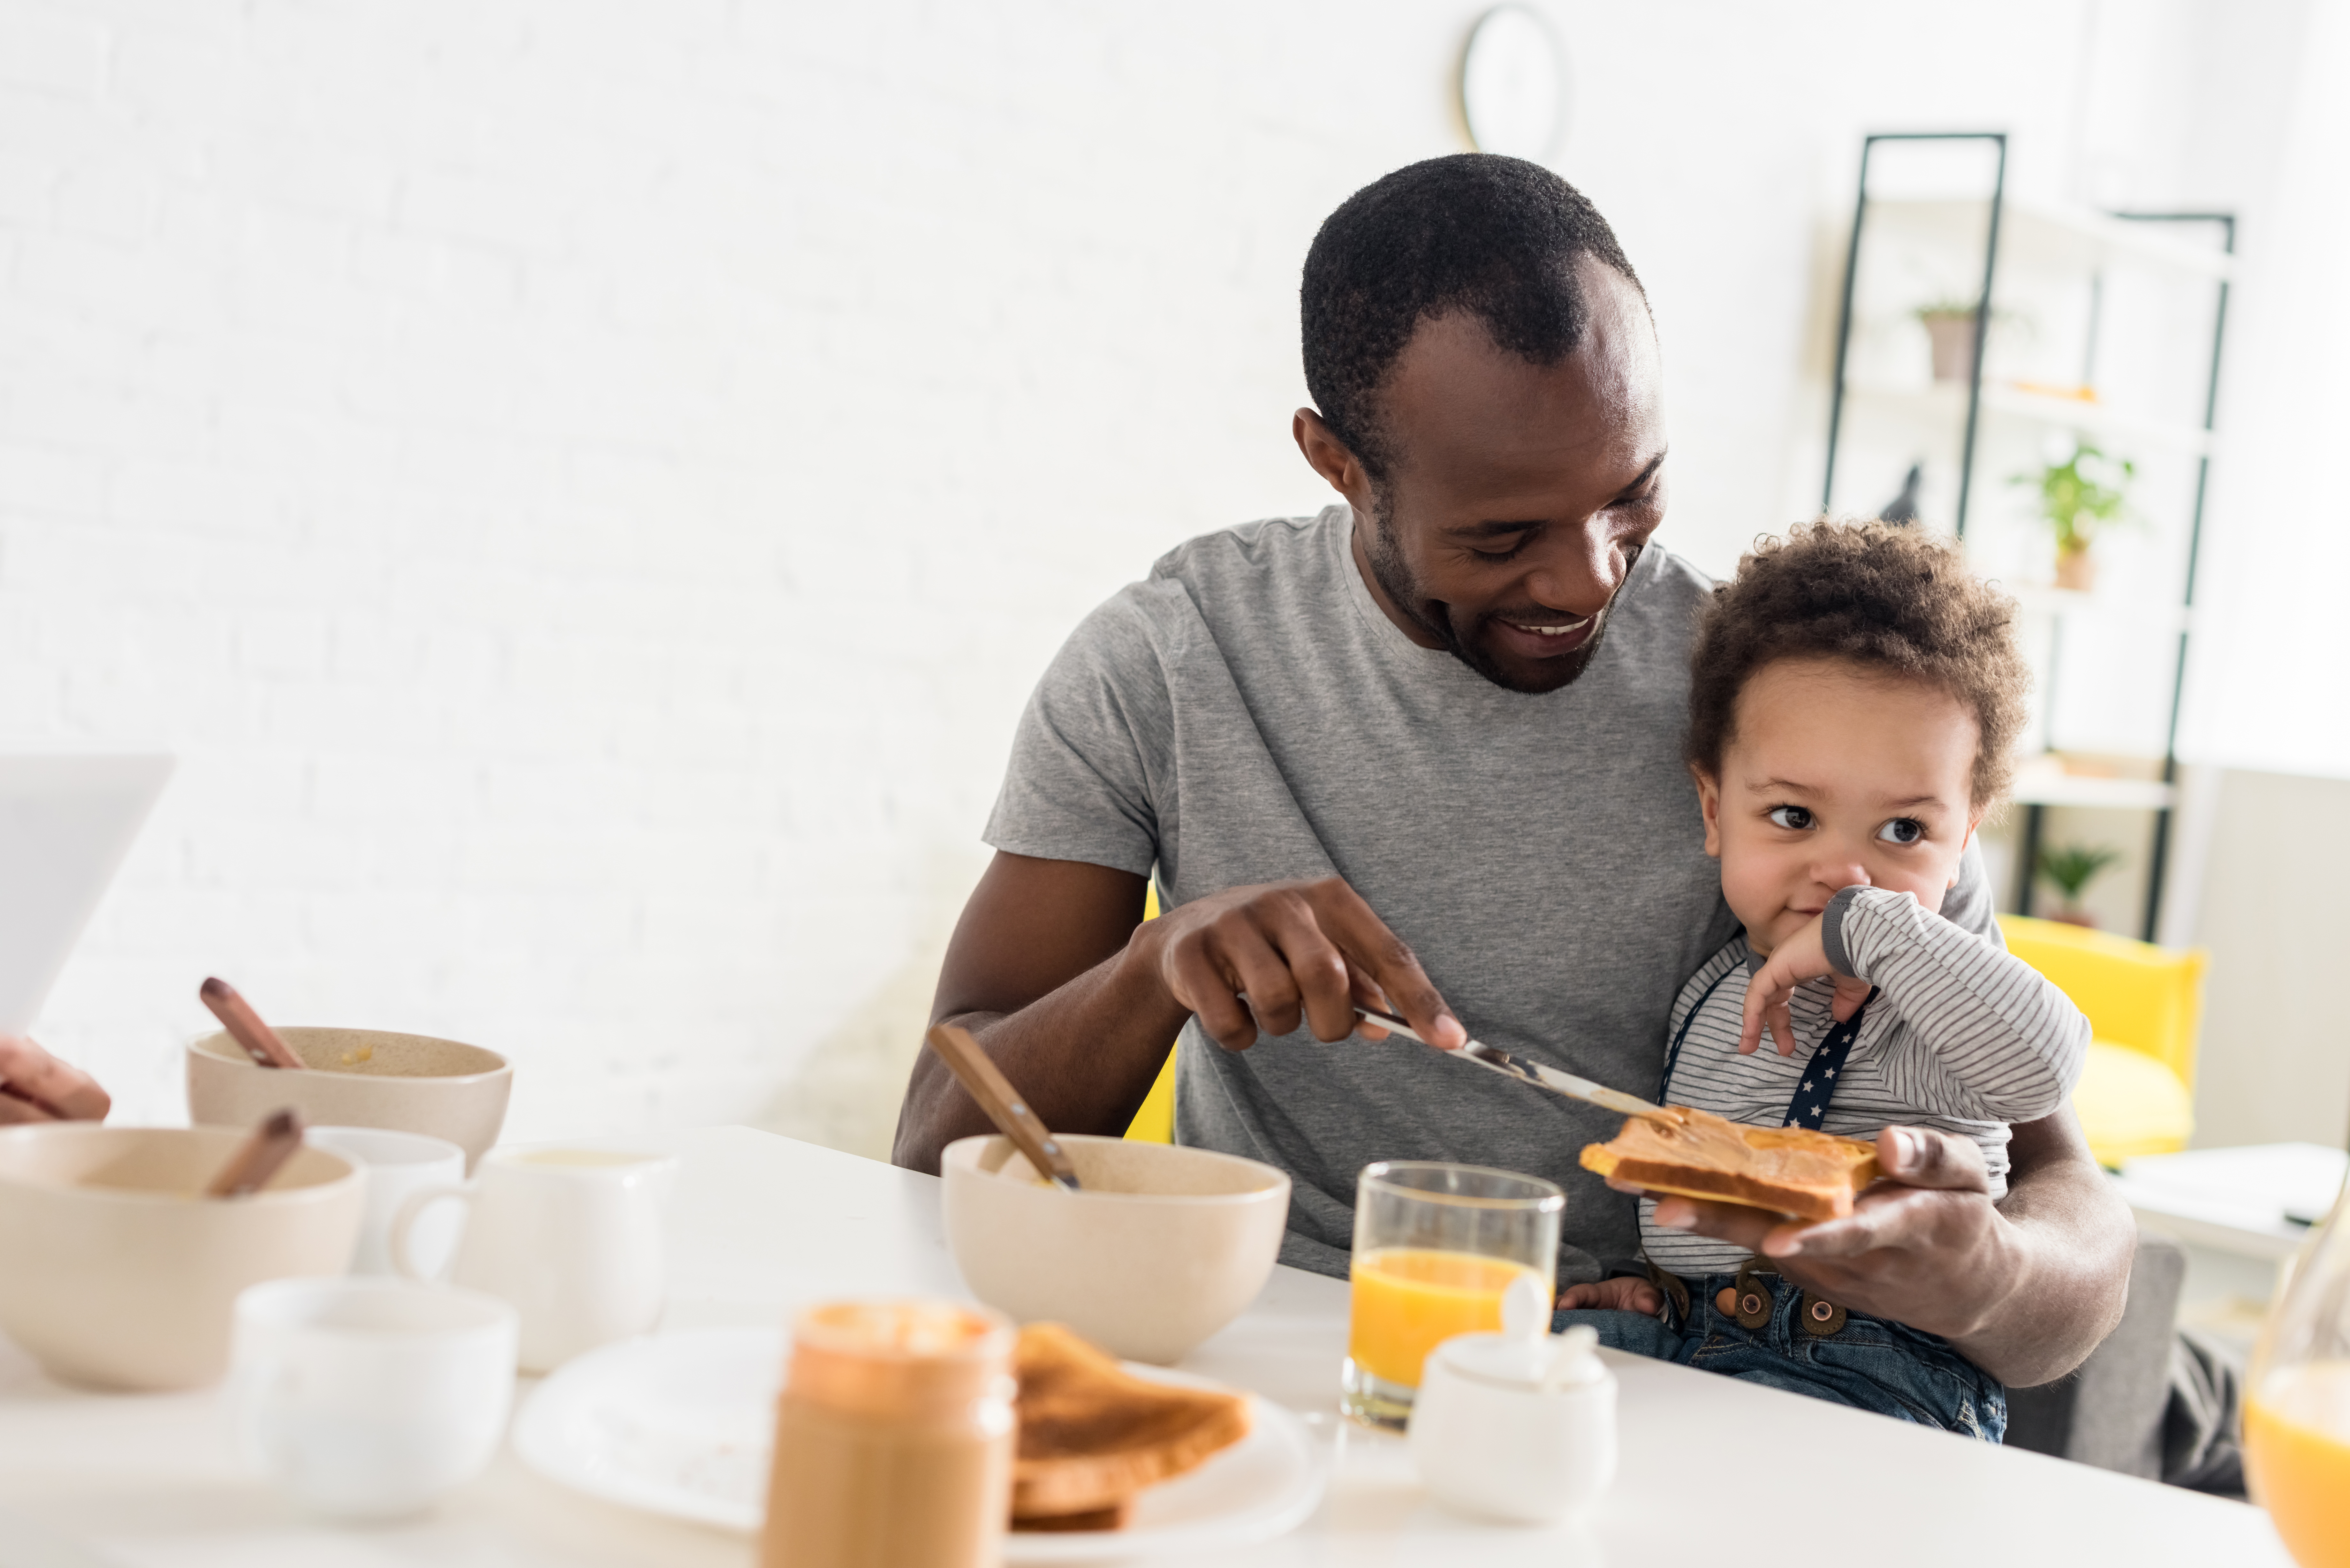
1499	1061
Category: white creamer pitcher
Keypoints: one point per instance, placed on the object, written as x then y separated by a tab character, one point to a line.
1518	1426
572	1237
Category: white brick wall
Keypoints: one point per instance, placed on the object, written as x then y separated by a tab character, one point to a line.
585	487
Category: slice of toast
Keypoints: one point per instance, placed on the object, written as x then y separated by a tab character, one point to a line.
1791	1171
1092	1434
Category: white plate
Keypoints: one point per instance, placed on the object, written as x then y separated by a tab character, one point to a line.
680	1424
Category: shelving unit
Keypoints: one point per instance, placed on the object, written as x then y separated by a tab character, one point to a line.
1999	254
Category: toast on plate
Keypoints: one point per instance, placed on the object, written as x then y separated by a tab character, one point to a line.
1791	1171
1092	1434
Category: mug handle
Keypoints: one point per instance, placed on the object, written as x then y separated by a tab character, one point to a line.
411	1210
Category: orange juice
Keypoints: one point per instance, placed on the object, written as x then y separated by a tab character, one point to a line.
1408	1300
2297	1450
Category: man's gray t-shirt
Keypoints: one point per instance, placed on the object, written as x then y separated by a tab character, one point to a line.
1247	713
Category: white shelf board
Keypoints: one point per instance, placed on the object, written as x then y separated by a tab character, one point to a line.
2058	602
2070	789
2093	419
2063	603
1946	402
2051	236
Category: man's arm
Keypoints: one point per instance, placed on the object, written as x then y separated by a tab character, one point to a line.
1034	971
2072	1278
1078	1000
2025	1288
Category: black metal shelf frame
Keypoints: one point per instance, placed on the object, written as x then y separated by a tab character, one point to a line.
2034	813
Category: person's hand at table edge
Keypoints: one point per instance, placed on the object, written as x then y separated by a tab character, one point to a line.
1624	1292
1927	1248
34	1087
1278	955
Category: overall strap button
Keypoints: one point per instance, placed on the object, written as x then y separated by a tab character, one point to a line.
1752	1306
1821	1317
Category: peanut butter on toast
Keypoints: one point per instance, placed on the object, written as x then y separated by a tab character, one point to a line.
1092	1434
1791	1171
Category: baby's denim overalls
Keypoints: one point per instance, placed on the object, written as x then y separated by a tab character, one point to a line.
1849	1358
1784	1337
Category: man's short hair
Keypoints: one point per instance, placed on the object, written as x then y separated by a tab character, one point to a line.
1498	237
1888	597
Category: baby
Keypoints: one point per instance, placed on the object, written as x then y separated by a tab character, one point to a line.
1854	697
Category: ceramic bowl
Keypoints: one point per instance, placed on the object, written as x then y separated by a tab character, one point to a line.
120	1274
1163	1247
359	1078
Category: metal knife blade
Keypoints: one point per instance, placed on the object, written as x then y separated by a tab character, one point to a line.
1495	1060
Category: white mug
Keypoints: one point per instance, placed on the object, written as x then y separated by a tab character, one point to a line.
397	1164
369	1398
571	1236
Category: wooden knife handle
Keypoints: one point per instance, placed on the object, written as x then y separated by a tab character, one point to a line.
245	1026
972	1067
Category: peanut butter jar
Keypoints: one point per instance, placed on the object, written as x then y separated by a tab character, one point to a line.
894	1439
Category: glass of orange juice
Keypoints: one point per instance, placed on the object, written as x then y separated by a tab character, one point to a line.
2297	1403
1435	1246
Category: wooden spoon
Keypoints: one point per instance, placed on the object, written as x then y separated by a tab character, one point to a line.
245	1027
1002	1104
258	1157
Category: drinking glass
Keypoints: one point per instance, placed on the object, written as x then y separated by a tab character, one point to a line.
1436	1245
2297	1403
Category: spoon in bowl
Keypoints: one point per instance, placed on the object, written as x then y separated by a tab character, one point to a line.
258	1157
245	1026
1002	1103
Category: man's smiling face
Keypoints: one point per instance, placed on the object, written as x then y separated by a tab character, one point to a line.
1518	495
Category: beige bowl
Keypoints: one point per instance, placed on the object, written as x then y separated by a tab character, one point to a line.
120	1273
1164	1247
360	1078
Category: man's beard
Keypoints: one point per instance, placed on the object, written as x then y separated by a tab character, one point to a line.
1403	590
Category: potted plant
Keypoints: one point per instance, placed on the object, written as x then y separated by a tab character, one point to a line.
2078	497
2071	867
1950	325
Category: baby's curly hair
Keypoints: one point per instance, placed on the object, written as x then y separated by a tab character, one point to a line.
1879	594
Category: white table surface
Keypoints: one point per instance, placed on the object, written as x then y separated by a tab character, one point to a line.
1713	1469
2239	1200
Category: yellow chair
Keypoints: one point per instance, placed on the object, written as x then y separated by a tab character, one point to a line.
2145	1005
1155	1122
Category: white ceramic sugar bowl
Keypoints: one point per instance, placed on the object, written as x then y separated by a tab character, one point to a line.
1517	1426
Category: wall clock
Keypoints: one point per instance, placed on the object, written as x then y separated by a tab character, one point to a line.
1514	84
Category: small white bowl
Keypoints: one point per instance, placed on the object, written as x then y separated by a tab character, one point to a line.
116	1270
1164	1247
368	1398
358	1078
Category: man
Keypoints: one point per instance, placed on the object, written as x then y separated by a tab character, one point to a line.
1426	746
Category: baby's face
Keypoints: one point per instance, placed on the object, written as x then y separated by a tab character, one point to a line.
1837	775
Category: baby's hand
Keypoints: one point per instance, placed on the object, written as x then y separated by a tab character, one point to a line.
1802	957
1622	1293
